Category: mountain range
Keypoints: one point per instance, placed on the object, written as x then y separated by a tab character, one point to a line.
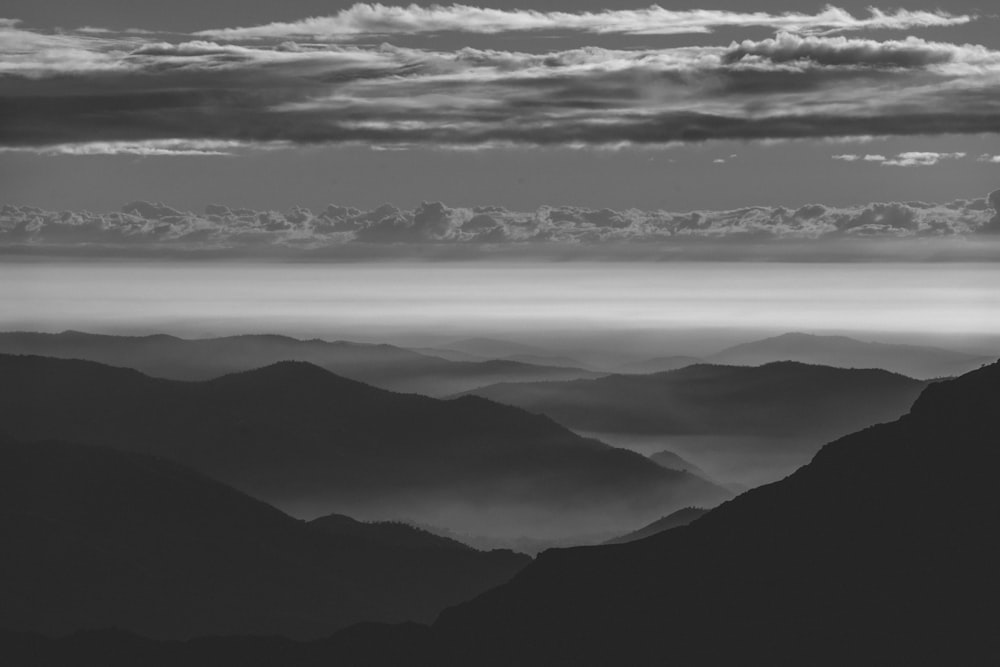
679	518
97	538
314	443
743	424
876	552
385	366
922	362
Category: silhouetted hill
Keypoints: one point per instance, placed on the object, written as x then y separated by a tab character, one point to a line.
98	538
841	351
313	443
742	424
679	518
494	348
658	365
384	366
673	461
362	645
781	398
388	533
873	553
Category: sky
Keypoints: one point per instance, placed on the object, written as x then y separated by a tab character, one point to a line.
683	107
622	311
556	140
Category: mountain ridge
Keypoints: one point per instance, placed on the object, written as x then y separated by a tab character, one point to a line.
870	554
921	362
312	443
387	366
99	538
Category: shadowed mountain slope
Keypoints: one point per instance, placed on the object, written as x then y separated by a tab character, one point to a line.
673	461
873	553
781	398
742	424
388	533
98	538
679	518
313	443
384	366
658	365
844	352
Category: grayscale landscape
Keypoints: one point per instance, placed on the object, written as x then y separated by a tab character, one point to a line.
540	334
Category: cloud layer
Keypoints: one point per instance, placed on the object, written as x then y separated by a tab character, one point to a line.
98	92
379	19
907	159
491	230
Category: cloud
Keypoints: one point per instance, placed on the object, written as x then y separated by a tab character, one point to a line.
991	159
841	51
908	159
149	148
921	159
378	19
72	93
993	226
152	228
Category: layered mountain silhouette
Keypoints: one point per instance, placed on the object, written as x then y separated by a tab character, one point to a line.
874	553
313	443
384	366
844	352
679	518
674	461
388	533
658	365
98	538
743	424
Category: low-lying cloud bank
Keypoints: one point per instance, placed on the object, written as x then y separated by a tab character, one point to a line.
962	229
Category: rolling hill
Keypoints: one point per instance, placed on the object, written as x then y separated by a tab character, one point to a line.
314	443
673	461
844	352
741	424
679	518
97	538
874	553
385	366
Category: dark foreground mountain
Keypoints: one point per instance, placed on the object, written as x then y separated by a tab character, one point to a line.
313	443
679	518
844	352
740	424
97	538
873	554
384	366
